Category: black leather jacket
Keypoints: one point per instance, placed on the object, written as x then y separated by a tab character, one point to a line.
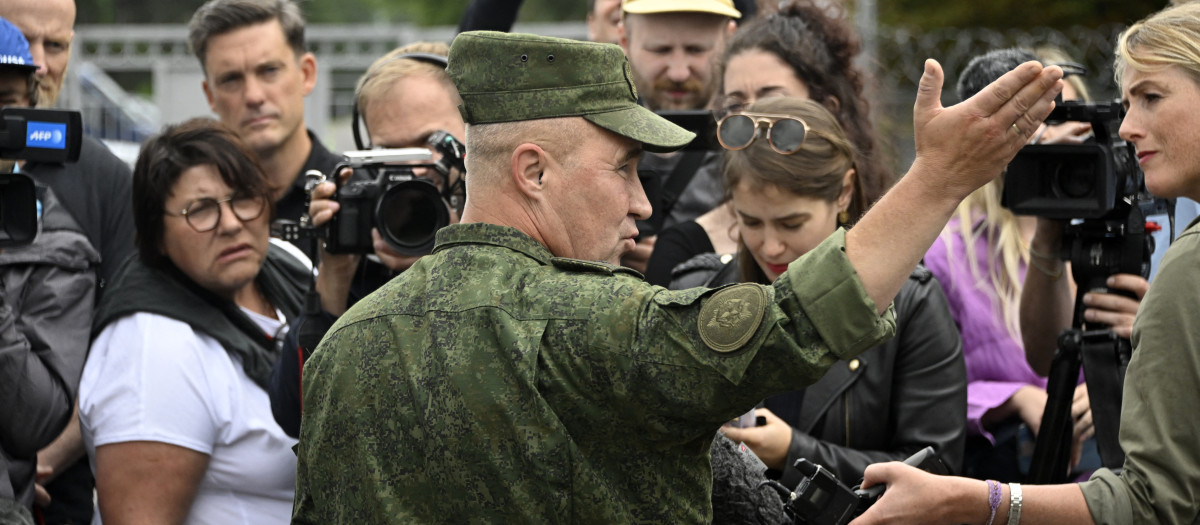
887	403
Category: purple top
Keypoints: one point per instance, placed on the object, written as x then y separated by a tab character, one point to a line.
996	365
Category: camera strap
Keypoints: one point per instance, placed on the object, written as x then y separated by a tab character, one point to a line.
677	181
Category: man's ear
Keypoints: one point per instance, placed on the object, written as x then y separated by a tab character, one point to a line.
208	95
730	28
529	162
308	69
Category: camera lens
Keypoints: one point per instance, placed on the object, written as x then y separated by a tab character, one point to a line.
1074	180
409	214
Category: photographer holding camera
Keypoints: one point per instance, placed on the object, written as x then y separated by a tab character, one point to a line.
1158	67
982	261
47	291
405	99
391	209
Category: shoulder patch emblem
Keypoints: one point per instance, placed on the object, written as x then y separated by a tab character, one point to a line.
731	316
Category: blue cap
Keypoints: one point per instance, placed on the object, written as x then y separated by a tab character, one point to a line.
14	49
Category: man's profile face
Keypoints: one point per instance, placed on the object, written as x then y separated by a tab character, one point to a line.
256	84
48	26
673	55
603	20
596	198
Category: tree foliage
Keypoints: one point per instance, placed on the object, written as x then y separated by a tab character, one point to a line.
1009	14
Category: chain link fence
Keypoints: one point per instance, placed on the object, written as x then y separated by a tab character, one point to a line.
901	54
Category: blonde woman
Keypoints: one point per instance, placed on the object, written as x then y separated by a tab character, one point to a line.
981	259
1158	67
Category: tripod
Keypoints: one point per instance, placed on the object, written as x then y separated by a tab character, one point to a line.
1097	249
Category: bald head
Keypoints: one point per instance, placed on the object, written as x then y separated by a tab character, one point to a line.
48	25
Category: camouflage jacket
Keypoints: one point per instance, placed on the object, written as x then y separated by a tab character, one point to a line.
495	383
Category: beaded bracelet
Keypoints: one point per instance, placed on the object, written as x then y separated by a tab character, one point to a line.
1014	503
993	498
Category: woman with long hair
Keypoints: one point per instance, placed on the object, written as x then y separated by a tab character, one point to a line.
1158	68
791	180
804	50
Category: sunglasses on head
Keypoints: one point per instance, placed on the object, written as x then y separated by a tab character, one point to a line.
784	133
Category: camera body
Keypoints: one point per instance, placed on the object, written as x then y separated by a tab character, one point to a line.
395	191
39	135
1075	181
384	192
820	499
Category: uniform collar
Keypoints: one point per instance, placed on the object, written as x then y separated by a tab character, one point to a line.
495	235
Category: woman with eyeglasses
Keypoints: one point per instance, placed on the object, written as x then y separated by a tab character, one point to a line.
805	49
173	406
791	180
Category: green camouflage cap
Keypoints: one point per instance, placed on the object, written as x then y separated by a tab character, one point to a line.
506	77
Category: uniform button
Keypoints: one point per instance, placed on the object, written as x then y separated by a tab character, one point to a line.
854	364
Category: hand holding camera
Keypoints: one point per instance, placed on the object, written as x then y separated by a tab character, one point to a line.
406	194
821	499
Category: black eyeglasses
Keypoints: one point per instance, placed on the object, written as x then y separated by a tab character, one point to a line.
785	133
204	214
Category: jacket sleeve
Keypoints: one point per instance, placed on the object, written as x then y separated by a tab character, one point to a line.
817	313
1160	482
927	399
45	317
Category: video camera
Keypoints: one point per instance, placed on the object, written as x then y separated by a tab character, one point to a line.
1099	186
39	135
1075	181
820	499
385	192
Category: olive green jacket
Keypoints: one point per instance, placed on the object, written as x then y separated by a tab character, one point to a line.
1160	433
495	383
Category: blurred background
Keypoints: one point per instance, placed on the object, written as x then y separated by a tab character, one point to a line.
131	70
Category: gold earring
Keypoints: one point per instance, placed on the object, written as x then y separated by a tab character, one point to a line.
843	217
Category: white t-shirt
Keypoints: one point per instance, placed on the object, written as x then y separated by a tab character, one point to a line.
152	378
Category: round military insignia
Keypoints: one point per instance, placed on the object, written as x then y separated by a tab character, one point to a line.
731	316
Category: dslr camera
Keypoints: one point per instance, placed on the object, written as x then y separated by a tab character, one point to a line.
397	191
1075	181
40	135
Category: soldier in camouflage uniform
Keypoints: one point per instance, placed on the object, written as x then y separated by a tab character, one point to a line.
518	375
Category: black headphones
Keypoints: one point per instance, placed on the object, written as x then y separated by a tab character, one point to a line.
428	58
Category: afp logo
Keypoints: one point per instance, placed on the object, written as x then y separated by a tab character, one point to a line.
46	135
43	136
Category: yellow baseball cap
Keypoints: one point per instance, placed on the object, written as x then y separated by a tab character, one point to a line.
716	7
